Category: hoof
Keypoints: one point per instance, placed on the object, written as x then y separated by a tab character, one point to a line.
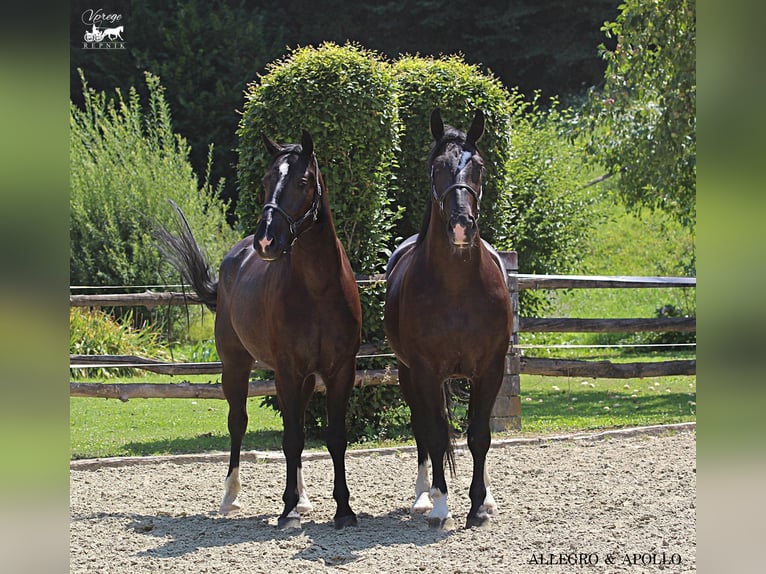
422	504
230	508
304	507
289	522
478	521
441	523
343	521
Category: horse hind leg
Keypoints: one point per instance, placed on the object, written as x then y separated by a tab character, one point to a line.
483	394
235	387
489	505
304	505
422	502
338	394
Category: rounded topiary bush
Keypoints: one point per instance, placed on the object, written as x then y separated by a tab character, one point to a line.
458	89
346	97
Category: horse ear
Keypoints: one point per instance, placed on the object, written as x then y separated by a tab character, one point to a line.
307	143
437	125
271	146
477	128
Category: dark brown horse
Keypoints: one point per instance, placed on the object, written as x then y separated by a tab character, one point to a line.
448	315
287	297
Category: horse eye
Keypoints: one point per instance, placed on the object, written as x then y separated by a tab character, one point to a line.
304	181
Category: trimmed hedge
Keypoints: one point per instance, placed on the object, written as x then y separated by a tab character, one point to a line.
346	97
458	89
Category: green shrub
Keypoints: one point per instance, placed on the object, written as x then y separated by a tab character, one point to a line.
345	96
549	212
94	332
458	89
126	162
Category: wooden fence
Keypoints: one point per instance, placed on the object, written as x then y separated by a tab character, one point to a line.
507	411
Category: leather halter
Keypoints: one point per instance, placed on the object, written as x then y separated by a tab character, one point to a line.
440	197
313	211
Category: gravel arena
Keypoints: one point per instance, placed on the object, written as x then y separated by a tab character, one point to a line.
617	501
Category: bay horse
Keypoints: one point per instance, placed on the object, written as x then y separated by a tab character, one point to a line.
287	297
448	315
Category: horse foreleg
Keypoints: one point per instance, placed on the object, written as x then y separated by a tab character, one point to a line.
422	502
338	393
434	427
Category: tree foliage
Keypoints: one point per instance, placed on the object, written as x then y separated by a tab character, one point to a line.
642	122
206	52
548	209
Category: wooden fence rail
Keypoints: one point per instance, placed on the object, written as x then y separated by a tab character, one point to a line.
507	413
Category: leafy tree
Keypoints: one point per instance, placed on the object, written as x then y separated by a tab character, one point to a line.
642	123
206	52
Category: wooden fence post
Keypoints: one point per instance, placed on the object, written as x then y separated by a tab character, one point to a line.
506	414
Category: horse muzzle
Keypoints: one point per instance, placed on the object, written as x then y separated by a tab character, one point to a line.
462	231
267	246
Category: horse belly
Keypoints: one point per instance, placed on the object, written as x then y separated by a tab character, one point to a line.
456	340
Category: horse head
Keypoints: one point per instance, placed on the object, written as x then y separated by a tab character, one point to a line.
293	194
456	169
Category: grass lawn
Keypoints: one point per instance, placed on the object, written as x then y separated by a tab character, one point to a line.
145	427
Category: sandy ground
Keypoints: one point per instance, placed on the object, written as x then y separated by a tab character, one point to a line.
614	502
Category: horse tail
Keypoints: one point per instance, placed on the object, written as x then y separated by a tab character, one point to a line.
184	254
447	394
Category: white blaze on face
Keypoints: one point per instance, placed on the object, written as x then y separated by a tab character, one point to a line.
284	169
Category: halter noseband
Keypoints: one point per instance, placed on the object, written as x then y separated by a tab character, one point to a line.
312	213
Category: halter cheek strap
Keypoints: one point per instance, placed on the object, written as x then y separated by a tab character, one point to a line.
313	212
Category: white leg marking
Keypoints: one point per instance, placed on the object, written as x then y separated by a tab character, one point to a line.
440	509
489	506
230	503
422	502
304	504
